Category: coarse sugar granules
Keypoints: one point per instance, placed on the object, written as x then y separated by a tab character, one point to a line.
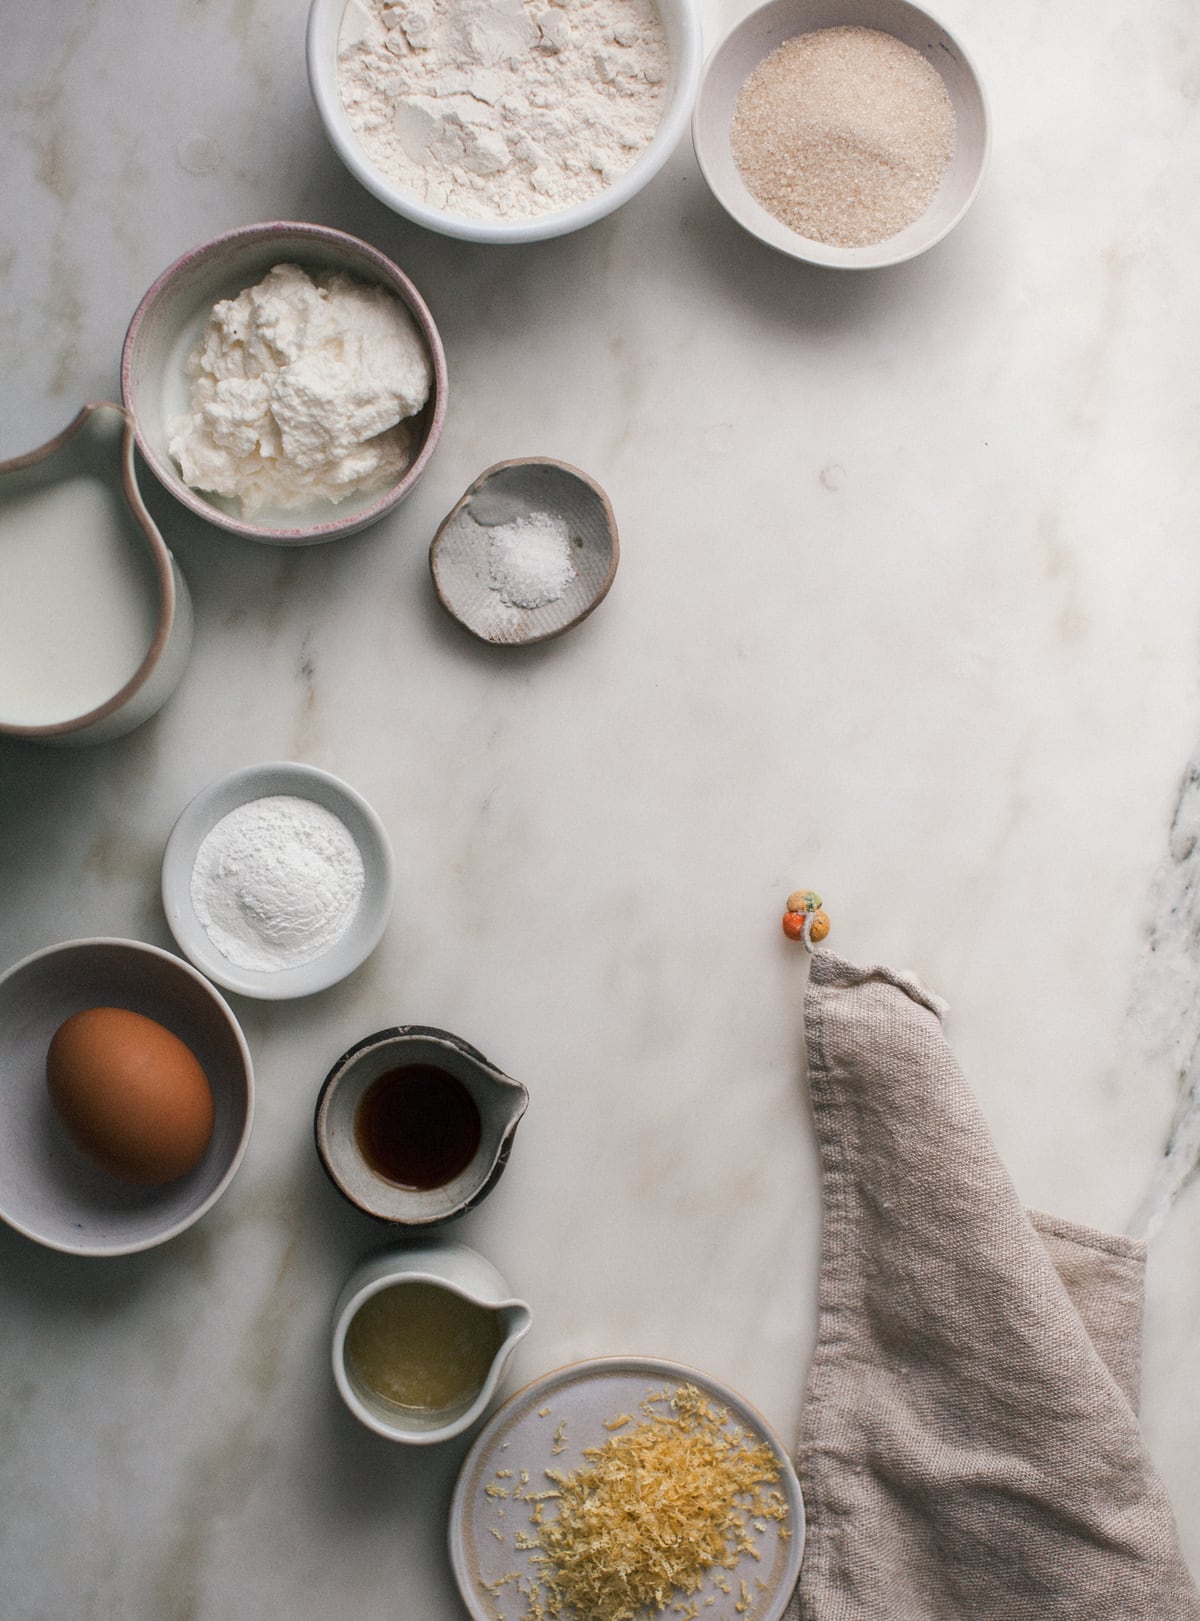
844	135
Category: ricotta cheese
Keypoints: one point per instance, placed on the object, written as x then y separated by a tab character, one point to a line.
302	391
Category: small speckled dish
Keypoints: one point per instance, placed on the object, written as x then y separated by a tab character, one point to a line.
202	814
48	1191
170	319
500	1100
755	37
548	1425
503	494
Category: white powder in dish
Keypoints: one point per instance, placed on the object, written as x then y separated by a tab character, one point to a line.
501	109
529	560
277	882
301	392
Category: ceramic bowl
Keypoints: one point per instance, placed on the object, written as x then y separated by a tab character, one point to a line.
84	566
499	1100
464	1279
468	585
682	25
289	779
173	314
48	1191
755	37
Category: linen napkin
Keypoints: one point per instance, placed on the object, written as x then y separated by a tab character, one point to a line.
970	1446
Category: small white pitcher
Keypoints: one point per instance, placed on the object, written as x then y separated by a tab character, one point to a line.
459	1271
84	567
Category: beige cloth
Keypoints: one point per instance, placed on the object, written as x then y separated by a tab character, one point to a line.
971	1449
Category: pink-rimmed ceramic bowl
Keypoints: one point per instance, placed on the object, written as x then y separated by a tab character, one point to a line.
168	322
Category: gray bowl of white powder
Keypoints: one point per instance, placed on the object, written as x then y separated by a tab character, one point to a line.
528	551
504	120
277	880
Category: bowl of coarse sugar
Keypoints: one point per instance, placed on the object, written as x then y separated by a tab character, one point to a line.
848	133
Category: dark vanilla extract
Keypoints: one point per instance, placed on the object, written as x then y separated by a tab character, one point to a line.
417	1126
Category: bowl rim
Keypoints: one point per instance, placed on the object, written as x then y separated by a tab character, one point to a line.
160	556
686	65
197	818
435	546
807	249
179	965
389	273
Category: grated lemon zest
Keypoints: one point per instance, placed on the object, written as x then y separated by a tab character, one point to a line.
651	1513
619	1422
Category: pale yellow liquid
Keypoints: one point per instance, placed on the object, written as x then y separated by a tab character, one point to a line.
421	1348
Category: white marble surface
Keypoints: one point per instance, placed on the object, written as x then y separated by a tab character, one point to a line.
908	609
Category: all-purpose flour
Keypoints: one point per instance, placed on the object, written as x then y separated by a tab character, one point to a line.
503	108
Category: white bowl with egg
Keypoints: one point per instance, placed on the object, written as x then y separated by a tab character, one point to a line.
755	38
313	420
269	895
670	80
50	1190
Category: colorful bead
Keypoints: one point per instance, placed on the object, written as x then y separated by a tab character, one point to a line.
804	919
793	924
803	900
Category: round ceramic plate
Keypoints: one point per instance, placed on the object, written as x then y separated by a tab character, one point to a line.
546	1427
257	782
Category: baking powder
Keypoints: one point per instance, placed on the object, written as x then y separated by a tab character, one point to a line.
500	109
276	883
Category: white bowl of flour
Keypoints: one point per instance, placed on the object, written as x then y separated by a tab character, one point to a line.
504	120
277	880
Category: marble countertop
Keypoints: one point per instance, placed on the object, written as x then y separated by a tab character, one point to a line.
908	609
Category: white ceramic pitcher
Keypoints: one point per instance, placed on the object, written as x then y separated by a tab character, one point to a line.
461	1272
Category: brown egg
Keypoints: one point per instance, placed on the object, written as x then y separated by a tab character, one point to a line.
132	1097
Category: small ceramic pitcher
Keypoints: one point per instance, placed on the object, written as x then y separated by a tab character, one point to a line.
95	617
498	1100
394	1323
